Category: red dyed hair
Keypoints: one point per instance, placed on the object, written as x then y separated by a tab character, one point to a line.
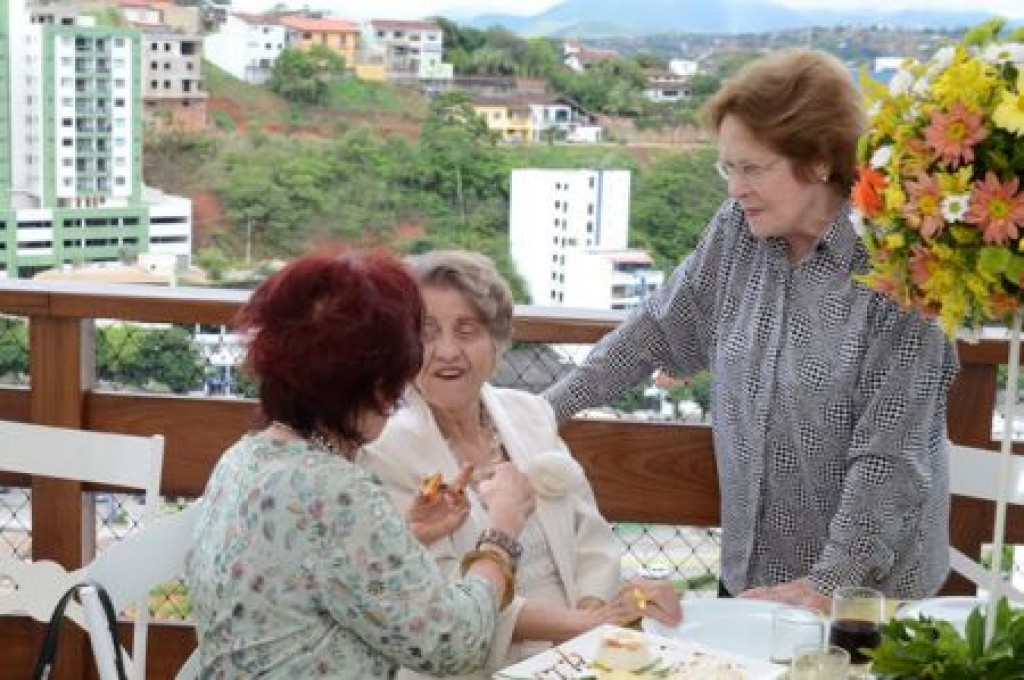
332	336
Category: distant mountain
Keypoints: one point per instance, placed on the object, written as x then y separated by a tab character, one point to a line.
592	18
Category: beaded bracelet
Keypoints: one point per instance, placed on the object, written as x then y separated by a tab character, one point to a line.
504	541
504	564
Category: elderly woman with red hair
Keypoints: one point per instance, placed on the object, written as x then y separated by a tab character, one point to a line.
301	567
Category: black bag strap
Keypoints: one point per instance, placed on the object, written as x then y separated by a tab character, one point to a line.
48	652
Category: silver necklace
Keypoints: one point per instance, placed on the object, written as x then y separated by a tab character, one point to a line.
317	440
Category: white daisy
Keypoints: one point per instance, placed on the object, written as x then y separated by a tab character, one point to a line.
1004	53
954	207
881	157
901	83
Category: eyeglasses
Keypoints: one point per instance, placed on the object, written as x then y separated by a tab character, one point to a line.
752	173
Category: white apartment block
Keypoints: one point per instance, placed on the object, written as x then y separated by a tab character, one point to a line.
407	49
71	186
568	234
246	46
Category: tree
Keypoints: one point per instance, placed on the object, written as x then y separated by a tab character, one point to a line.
13	346
303	76
138	356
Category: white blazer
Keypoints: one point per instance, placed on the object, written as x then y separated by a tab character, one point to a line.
584	549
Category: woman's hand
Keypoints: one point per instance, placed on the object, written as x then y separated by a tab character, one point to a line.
656	599
508	496
800	592
436	515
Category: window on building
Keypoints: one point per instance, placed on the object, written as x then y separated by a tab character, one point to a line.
118	42
167	47
554	276
153	84
120	181
590	227
554	258
118	102
153	66
67	122
554	295
67	141
558	204
167	66
119	83
67	162
590	208
592	182
167	84
154	46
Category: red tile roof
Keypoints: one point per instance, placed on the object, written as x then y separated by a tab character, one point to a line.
319	25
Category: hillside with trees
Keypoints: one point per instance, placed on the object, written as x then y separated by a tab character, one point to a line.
315	157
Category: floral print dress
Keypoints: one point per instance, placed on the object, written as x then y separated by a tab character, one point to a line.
301	567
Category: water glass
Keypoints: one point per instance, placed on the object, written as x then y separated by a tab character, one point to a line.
819	662
857	616
794	627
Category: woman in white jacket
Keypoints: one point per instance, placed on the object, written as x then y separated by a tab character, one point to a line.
454	423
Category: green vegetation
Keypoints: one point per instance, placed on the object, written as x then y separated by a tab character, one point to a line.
934	650
138	356
13	347
303	76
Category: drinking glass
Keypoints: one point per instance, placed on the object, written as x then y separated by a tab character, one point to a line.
819	662
857	616
794	627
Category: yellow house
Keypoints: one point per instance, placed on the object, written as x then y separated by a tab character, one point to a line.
337	34
507	116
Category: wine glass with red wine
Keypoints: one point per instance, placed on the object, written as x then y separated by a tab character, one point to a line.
857	616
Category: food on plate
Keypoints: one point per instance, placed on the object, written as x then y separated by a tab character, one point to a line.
623	650
431	485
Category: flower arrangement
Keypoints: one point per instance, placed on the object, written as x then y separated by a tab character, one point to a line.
939	198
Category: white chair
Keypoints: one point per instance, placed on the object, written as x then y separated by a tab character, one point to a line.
974	473
79	455
129	570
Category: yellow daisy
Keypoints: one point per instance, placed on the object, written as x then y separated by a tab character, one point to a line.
1009	114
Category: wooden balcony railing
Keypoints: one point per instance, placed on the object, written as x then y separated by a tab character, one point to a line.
641	472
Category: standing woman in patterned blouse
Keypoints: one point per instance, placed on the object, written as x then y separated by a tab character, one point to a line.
301	567
828	400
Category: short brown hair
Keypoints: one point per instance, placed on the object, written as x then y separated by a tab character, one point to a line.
801	103
475	276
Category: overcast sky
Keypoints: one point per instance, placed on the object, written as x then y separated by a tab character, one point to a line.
402	9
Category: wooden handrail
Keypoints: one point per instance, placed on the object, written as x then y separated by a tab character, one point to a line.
641	472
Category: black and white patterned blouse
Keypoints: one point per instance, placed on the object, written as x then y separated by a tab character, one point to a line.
828	404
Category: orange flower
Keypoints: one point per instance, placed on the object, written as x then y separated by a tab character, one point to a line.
952	135
867	193
924	209
997	209
1002	304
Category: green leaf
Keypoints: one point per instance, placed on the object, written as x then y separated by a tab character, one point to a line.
993	261
976	632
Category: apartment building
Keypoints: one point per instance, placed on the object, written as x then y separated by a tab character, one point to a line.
247	45
172	81
406	49
568	234
71	151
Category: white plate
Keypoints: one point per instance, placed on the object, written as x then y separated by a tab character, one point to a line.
952	609
730	624
668	650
